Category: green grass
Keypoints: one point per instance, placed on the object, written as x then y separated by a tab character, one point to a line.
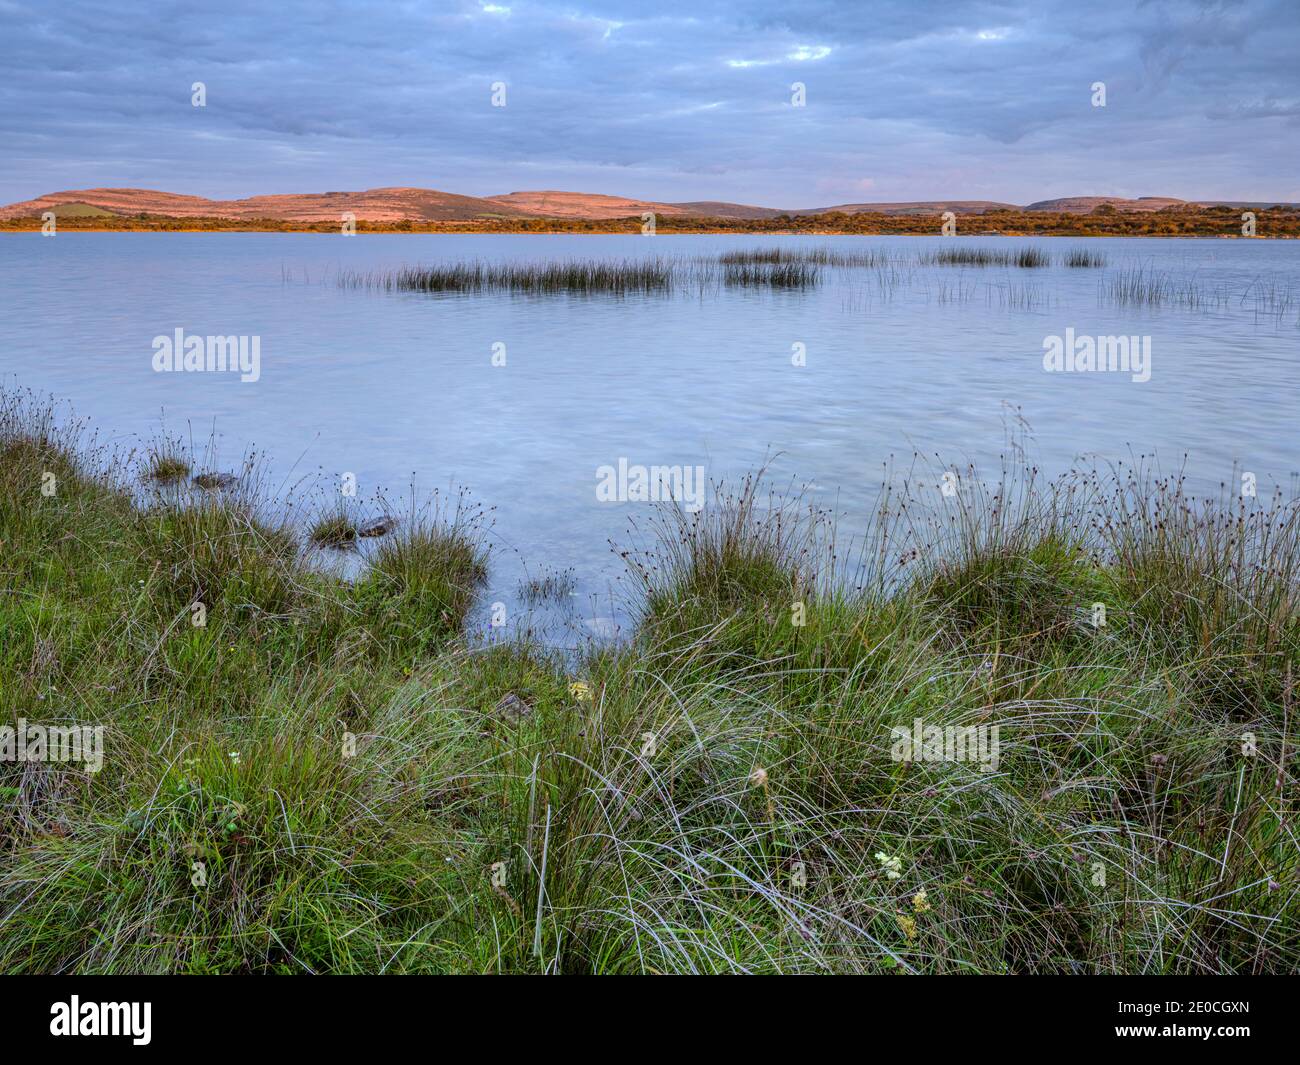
167	467
336	529
319	778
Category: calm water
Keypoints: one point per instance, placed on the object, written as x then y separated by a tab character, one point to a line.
400	388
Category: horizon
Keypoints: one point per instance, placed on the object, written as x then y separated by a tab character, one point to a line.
631	199
977	101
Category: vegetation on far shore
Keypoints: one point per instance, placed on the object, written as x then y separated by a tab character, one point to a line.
366	789
1105	221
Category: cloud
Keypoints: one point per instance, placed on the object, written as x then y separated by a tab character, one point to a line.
973	98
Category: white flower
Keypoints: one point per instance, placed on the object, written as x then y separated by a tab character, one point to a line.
893	867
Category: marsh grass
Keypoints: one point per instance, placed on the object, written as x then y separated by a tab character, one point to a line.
427	572
556	586
711	796
823	256
651	276
1083	258
594	275
1026	258
1143	287
1020	296
167	467
1270	297
336	528
771	275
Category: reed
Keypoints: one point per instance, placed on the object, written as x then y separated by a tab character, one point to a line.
1026	258
1142	287
626	277
1083	258
872	259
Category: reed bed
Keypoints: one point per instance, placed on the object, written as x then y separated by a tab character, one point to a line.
771	275
1026	258
617	277
872	259
1083	258
625	277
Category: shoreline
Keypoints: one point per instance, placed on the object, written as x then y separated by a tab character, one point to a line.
1221	223
1025	756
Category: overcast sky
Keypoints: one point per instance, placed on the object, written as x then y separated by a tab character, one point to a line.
658	99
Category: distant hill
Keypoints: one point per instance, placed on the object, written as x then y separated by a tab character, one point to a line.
718	209
1088	204
553	204
915	207
390	205
376	205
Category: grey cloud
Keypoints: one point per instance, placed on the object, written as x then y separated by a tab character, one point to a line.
907	100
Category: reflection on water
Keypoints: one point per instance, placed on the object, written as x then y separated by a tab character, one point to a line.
523	398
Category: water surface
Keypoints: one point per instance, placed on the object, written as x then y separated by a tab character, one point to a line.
400	388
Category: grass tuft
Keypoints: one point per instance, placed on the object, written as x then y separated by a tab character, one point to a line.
1083	258
1028	258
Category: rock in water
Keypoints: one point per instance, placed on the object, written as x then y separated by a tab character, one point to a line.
381	526
214	482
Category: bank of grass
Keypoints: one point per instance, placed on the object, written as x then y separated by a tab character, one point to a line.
322	778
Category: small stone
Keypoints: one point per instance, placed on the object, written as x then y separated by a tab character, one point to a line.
513	707
380	526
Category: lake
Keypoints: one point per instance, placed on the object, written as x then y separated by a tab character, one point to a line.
400	388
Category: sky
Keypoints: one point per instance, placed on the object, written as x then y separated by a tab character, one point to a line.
658	99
